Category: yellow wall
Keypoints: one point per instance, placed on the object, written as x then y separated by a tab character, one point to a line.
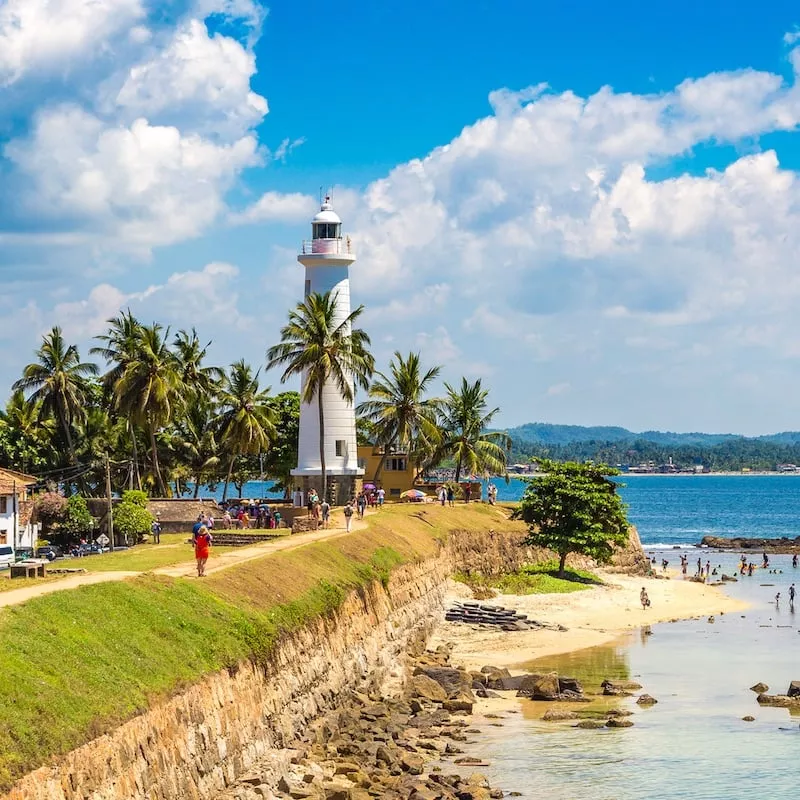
394	482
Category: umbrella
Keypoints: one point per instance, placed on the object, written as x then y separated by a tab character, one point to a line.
369	485
414	494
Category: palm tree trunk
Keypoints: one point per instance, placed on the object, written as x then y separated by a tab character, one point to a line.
228	478
379	468
156	468
458	468
322	444
135	449
196	486
62	418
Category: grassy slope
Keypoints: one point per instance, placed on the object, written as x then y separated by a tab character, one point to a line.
76	663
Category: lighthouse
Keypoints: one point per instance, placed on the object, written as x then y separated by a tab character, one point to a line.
327	258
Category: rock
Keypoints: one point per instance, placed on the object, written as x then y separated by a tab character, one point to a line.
540	687
569	685
779	700
504	683
646	700
759	688
500	671
619	712
453	681
748	718
619	688
557	715
470	761
590	724
462	702
412	763
794	689
425	687
616	722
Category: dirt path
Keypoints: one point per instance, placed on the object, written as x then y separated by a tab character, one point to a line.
185	569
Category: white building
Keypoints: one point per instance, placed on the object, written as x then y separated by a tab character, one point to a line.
327	258
16	528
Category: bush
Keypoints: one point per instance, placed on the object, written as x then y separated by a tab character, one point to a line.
135	496
77	520
51	508
130	519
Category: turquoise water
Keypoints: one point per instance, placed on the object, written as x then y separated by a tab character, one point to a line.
694	743
680	509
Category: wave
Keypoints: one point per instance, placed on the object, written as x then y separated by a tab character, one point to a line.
669	546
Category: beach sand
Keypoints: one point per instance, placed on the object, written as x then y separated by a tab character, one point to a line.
592	617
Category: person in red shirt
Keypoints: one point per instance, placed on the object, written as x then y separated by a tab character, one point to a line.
202	546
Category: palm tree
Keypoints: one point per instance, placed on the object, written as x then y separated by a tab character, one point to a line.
464	419
148	390
198	379
119	348
58	382
396	410
323	349
247	419
196	441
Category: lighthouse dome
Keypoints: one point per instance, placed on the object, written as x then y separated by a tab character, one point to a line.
326	224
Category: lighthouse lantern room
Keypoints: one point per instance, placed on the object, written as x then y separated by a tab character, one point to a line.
327	258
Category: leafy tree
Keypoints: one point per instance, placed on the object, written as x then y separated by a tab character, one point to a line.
196	440
136	497
464	418
574	508
397	410
131	520
247	420
77	520
326	350
57	381
51	508
148	390
281	458
198	379
25	438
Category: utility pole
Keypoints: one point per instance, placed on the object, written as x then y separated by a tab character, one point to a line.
108	497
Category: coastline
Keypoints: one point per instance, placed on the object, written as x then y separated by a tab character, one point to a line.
595	616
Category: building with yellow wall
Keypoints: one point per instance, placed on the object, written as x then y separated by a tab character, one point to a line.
396	474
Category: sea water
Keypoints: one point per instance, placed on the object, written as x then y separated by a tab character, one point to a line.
671	510
694	742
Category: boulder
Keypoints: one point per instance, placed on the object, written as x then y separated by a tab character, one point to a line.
425	687
505	683
794	689
557	715
569	685
463	701
759	688
748	718
412	763
646	700
453	681
545	687
502	671
779	700
619	688
590	724
617	722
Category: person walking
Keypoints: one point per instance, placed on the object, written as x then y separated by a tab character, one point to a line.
443	495
361	502
450	496
381	496
155	529
348	515
791	595
644	599
202	547
325	510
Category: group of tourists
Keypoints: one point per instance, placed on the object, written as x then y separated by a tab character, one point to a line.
246	514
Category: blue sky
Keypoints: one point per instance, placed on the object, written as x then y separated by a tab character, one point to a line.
593	207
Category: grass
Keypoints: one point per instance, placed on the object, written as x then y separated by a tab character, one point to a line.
77	663
7	585
532	579
143	557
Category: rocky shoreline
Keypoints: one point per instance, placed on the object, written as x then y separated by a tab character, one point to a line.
411	746
777	546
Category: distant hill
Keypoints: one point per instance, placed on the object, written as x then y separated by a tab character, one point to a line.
542	433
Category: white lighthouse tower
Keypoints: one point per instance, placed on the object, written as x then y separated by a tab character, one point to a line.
327	258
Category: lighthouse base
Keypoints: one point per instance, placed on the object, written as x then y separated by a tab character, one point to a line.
341	488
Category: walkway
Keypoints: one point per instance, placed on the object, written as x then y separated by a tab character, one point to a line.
185	569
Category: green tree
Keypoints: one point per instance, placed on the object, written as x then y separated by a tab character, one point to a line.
247	419
131	520
464	418
149	389
119	347
26	439
397	410
281	458
77	520
196	440
198	379
57	381
324	350
574	508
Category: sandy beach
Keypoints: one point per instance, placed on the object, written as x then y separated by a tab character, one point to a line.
591	617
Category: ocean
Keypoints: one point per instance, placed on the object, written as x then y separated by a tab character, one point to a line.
694	742
670	510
